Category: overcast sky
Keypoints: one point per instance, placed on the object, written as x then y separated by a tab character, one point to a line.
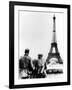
35	32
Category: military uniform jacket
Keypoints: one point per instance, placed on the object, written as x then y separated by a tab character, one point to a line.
25	63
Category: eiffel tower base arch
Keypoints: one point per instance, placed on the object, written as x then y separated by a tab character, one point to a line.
54	55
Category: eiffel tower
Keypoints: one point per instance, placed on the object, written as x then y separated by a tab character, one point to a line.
54	55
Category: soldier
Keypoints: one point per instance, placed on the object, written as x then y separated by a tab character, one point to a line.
41	66
25	65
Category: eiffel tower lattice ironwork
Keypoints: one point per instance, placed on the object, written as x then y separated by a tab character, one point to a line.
54	47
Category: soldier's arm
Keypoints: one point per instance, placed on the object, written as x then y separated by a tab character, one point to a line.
32	64
20	65
44	67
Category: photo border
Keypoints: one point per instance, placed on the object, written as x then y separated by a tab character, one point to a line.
11	43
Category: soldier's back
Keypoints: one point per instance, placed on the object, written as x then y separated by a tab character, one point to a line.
24	62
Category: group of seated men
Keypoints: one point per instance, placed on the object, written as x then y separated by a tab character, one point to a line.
29	68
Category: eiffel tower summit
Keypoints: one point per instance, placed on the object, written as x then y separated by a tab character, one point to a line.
54	55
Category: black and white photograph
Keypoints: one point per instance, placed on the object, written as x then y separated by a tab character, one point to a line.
35	40
40	43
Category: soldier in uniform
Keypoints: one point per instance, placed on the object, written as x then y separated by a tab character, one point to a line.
41	67
25	65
